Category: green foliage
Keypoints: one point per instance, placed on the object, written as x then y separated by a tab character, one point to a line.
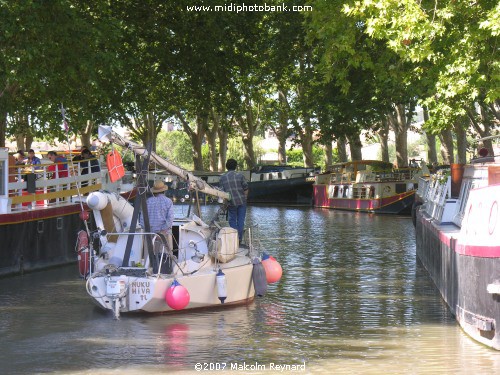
236	150
338	68
451	46
176	147
295	157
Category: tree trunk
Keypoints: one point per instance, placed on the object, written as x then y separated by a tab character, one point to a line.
28	141
86	134
23	133
482	127
248	125
197	140
446	138
212	145
3	128
461	134
282	134
431	148
306	140
145	127
383	136
399	124
355	147
342	150
431	142
211	134
328	155
196	137
223	136
19	141
281	130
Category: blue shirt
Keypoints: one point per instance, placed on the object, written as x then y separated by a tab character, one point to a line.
34	161
160	212
235	184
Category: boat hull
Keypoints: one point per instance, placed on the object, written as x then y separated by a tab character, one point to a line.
464	264
398	204
38	239
147	294
293	191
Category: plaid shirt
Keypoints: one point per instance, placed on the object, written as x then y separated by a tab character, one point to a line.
160	212
235	184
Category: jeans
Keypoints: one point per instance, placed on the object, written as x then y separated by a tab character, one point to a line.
237	218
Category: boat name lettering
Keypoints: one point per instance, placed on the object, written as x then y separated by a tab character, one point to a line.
140	287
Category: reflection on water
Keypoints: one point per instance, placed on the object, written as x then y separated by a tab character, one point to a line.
352	299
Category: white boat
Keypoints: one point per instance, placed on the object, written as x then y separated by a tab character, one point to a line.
134	271
458	242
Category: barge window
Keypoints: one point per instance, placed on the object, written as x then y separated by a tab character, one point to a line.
59	223
400	188
39	226
372	192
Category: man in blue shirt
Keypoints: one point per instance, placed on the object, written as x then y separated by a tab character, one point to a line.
160	212
32	158
236	185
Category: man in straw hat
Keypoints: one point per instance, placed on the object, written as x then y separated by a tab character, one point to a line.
160	212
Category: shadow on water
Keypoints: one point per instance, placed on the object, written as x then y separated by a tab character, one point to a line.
352	299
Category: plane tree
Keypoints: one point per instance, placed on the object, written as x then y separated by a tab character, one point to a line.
346	50
53	53
453	46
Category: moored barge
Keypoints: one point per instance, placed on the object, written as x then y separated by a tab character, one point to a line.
40	215
458	242
367	186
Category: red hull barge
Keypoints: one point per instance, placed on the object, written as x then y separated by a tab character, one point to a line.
40	215
367	186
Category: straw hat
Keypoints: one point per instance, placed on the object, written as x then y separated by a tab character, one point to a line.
159	186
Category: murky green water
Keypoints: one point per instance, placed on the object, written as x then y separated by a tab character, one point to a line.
352	300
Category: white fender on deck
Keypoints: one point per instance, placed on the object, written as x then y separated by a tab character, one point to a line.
122	209
122	212
97	200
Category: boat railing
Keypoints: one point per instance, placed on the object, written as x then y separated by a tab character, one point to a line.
423	187
436	197
35	186
405	174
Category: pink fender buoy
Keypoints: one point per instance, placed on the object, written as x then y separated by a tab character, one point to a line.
272	267
177	296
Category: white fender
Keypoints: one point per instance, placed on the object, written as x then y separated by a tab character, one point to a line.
122	209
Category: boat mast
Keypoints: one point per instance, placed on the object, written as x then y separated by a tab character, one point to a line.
195	183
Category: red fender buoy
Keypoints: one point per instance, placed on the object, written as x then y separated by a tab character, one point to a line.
82	248
272	267
177	297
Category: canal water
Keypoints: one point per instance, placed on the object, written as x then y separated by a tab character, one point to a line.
352	300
